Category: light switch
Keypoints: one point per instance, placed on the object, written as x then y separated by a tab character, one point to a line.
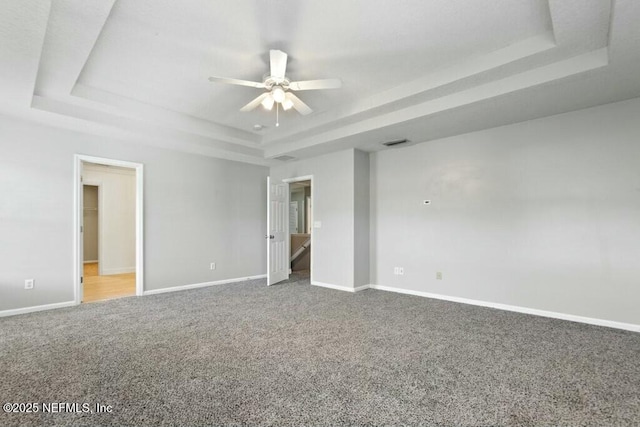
317	224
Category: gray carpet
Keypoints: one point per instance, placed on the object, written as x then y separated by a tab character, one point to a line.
294	354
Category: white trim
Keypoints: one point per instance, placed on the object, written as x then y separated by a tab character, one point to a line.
361	288
35	308
77	188
336	287
267	237
139	229
515	308
121	270
298	179
312	232
203	285
78	267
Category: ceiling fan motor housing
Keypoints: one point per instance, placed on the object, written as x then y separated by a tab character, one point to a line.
270	81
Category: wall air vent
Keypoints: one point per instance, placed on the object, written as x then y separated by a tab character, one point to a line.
284	158
395	142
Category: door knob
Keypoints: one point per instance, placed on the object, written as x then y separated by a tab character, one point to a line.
270	236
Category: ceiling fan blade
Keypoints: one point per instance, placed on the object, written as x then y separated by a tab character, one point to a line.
299	105
253	104
278	63
237	82
316	84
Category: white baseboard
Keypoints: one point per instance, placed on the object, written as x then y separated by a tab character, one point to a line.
515	308
35	308
123	270
330	286
338	287
202	285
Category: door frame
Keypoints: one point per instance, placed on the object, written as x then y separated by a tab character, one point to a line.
78	212
313	215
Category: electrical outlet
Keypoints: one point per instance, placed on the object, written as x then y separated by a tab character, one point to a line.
212	266
398	271
438	275
28	283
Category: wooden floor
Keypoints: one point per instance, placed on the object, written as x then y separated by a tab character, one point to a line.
99	288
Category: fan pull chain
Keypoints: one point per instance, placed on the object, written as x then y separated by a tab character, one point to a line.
277	114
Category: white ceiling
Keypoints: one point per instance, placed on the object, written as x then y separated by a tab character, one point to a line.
419	69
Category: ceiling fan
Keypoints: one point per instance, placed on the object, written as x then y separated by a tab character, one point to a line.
278	87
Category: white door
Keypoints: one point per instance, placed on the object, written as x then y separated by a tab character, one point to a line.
277	222
81	240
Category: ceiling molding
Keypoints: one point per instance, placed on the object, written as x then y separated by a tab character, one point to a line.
525	80
144	133
468	68
23	25
71	35
120	105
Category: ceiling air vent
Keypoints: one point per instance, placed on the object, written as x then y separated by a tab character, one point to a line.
284	158
395	142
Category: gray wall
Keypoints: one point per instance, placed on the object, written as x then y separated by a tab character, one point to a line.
340	190
333	190
361	218
192	213
543	214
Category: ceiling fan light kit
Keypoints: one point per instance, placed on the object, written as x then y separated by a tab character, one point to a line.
278	87
287	104
278	94
267	102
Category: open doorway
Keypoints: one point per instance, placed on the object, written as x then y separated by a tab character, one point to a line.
109	229
300	228
289	225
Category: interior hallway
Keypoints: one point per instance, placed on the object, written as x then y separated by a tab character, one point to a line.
99	288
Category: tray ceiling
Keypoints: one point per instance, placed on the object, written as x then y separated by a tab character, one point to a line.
137	70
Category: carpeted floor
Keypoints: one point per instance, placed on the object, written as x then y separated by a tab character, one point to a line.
294	354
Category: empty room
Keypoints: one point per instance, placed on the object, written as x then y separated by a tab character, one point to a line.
320	213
